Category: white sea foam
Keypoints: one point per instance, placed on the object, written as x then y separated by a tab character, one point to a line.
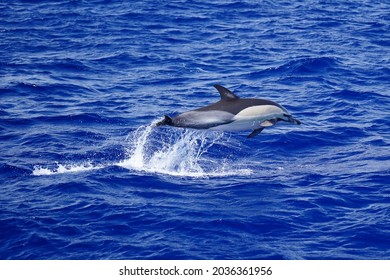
64	168
179	152
175	152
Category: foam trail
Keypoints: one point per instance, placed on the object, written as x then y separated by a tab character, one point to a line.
178	152
61	169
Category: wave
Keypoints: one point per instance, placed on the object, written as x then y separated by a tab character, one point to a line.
299	67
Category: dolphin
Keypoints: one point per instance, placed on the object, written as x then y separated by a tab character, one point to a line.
233	113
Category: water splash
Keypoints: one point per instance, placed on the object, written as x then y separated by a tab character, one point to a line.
179	152
171	151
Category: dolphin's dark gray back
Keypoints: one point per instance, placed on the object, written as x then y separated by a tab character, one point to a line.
233	104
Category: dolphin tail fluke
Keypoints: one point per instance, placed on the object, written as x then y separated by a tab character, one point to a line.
255	132
166	121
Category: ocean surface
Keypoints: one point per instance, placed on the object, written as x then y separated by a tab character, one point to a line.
84	174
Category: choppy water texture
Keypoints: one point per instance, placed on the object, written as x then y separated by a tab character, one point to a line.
84	175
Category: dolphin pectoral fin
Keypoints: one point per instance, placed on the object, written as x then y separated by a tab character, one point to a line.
268	123
255	132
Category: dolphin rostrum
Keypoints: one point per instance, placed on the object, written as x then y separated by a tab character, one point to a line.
233	113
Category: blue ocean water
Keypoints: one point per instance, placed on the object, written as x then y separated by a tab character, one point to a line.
84	175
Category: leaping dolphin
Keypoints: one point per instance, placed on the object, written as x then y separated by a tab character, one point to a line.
233	113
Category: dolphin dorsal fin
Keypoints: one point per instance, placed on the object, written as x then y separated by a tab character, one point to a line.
225	93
